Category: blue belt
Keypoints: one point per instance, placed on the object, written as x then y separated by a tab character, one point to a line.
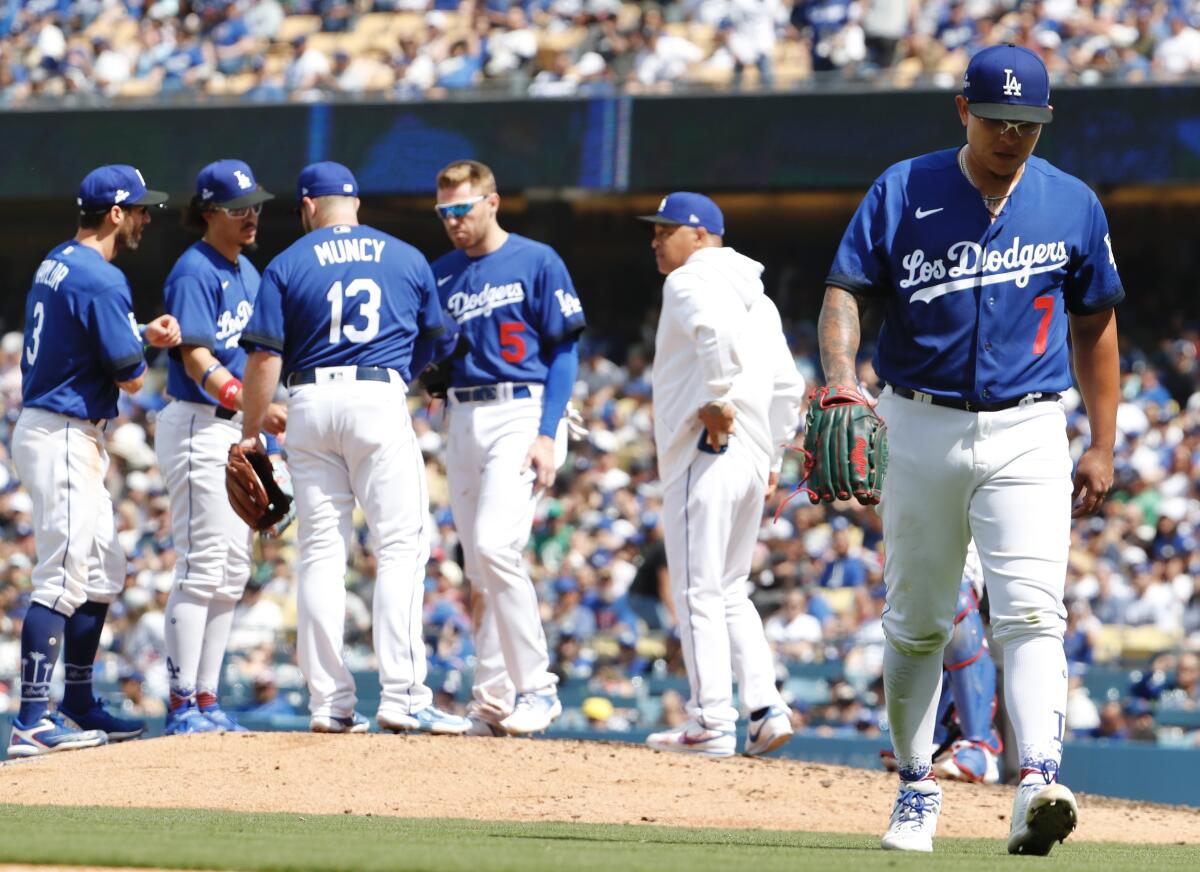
485	393
362	373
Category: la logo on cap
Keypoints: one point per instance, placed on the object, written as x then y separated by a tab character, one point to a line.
120	195
663	204
242	179
1012	85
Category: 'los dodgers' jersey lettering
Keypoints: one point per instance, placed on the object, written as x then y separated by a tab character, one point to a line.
213	300
513	306
81	336
342	296
975	309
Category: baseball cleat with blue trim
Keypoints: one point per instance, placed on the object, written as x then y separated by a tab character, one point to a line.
50	734
533	713
187	720
99	718
355	723
914	816
428	720
222	720
1042	815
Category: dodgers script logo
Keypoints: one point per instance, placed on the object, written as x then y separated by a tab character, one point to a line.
230	325
973	265
464	306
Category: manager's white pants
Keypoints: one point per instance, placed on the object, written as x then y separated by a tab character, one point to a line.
62	462
351	440
711	517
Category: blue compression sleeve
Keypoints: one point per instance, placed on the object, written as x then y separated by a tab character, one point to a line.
273	446
560	381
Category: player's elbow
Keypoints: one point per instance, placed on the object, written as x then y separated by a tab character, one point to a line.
133	385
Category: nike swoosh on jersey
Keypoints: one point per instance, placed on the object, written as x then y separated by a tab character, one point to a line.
443	280
925	213
224	284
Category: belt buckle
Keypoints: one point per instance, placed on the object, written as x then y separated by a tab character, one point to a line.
1029	399
968	406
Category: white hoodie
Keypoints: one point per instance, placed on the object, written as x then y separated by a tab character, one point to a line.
720	338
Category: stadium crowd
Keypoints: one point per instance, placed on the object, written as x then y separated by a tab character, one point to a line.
597	559
274	50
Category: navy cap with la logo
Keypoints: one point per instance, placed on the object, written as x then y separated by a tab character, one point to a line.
229	184
1008	83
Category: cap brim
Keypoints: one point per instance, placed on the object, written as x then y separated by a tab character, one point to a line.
150	198
657	219
1011	112
251	199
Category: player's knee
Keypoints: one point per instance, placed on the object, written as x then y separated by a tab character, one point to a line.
1028	624
916	642
497	555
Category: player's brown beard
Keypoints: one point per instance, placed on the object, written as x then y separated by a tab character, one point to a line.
129	233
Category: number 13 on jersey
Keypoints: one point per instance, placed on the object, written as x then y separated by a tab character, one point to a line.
368	309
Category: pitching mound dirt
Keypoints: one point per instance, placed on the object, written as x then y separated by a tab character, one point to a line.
497	779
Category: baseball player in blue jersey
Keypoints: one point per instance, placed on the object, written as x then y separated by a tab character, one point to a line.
211	291
516	306
346	315
983	258
82	346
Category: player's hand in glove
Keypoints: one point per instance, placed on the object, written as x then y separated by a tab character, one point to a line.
845	447
436	379
252	489
283	478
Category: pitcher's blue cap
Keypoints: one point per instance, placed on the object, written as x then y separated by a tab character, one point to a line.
1008	83
694	210
326	179
231	184
115	185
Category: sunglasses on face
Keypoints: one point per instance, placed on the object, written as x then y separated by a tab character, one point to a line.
1020	128
243	212
447	211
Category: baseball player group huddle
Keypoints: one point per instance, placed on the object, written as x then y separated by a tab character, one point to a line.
983	257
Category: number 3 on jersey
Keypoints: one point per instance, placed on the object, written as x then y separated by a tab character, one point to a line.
39	314
368	309
512	346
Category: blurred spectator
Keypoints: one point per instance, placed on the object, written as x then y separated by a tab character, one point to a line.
792	631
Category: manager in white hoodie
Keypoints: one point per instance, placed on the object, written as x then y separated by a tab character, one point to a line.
726	400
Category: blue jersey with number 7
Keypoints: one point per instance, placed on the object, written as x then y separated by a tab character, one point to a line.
512	305
976	309
347	295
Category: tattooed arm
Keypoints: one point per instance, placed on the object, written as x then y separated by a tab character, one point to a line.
838	336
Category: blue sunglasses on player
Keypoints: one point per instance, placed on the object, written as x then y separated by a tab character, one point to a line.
447	211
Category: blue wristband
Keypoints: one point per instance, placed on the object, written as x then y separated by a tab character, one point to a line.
204	378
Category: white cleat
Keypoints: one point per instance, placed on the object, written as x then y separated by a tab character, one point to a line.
914	817
428	720
1042	815
533	713
355	723
481	726
694	739
769	732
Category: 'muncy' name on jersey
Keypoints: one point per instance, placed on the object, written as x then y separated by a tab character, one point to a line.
345	295
512	305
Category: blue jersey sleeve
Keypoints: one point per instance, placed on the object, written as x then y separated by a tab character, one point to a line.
113	328
1094	285
194	307
430	324
264	331
561	313
860	265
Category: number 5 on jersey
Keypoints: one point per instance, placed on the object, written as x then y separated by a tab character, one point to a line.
368	309
512	346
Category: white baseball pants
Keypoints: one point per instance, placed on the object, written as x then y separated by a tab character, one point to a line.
353	440
493	504
711	517
62	462
1005	479
212	544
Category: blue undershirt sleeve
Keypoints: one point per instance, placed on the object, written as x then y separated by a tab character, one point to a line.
560	381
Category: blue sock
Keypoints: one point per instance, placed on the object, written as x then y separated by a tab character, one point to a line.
41	637
82	641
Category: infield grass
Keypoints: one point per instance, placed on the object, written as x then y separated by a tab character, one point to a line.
187	839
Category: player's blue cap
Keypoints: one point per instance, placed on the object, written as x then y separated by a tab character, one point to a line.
326	179
694	210
115	185
231	184
1008	83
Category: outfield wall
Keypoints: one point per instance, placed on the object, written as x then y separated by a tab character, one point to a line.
823	139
